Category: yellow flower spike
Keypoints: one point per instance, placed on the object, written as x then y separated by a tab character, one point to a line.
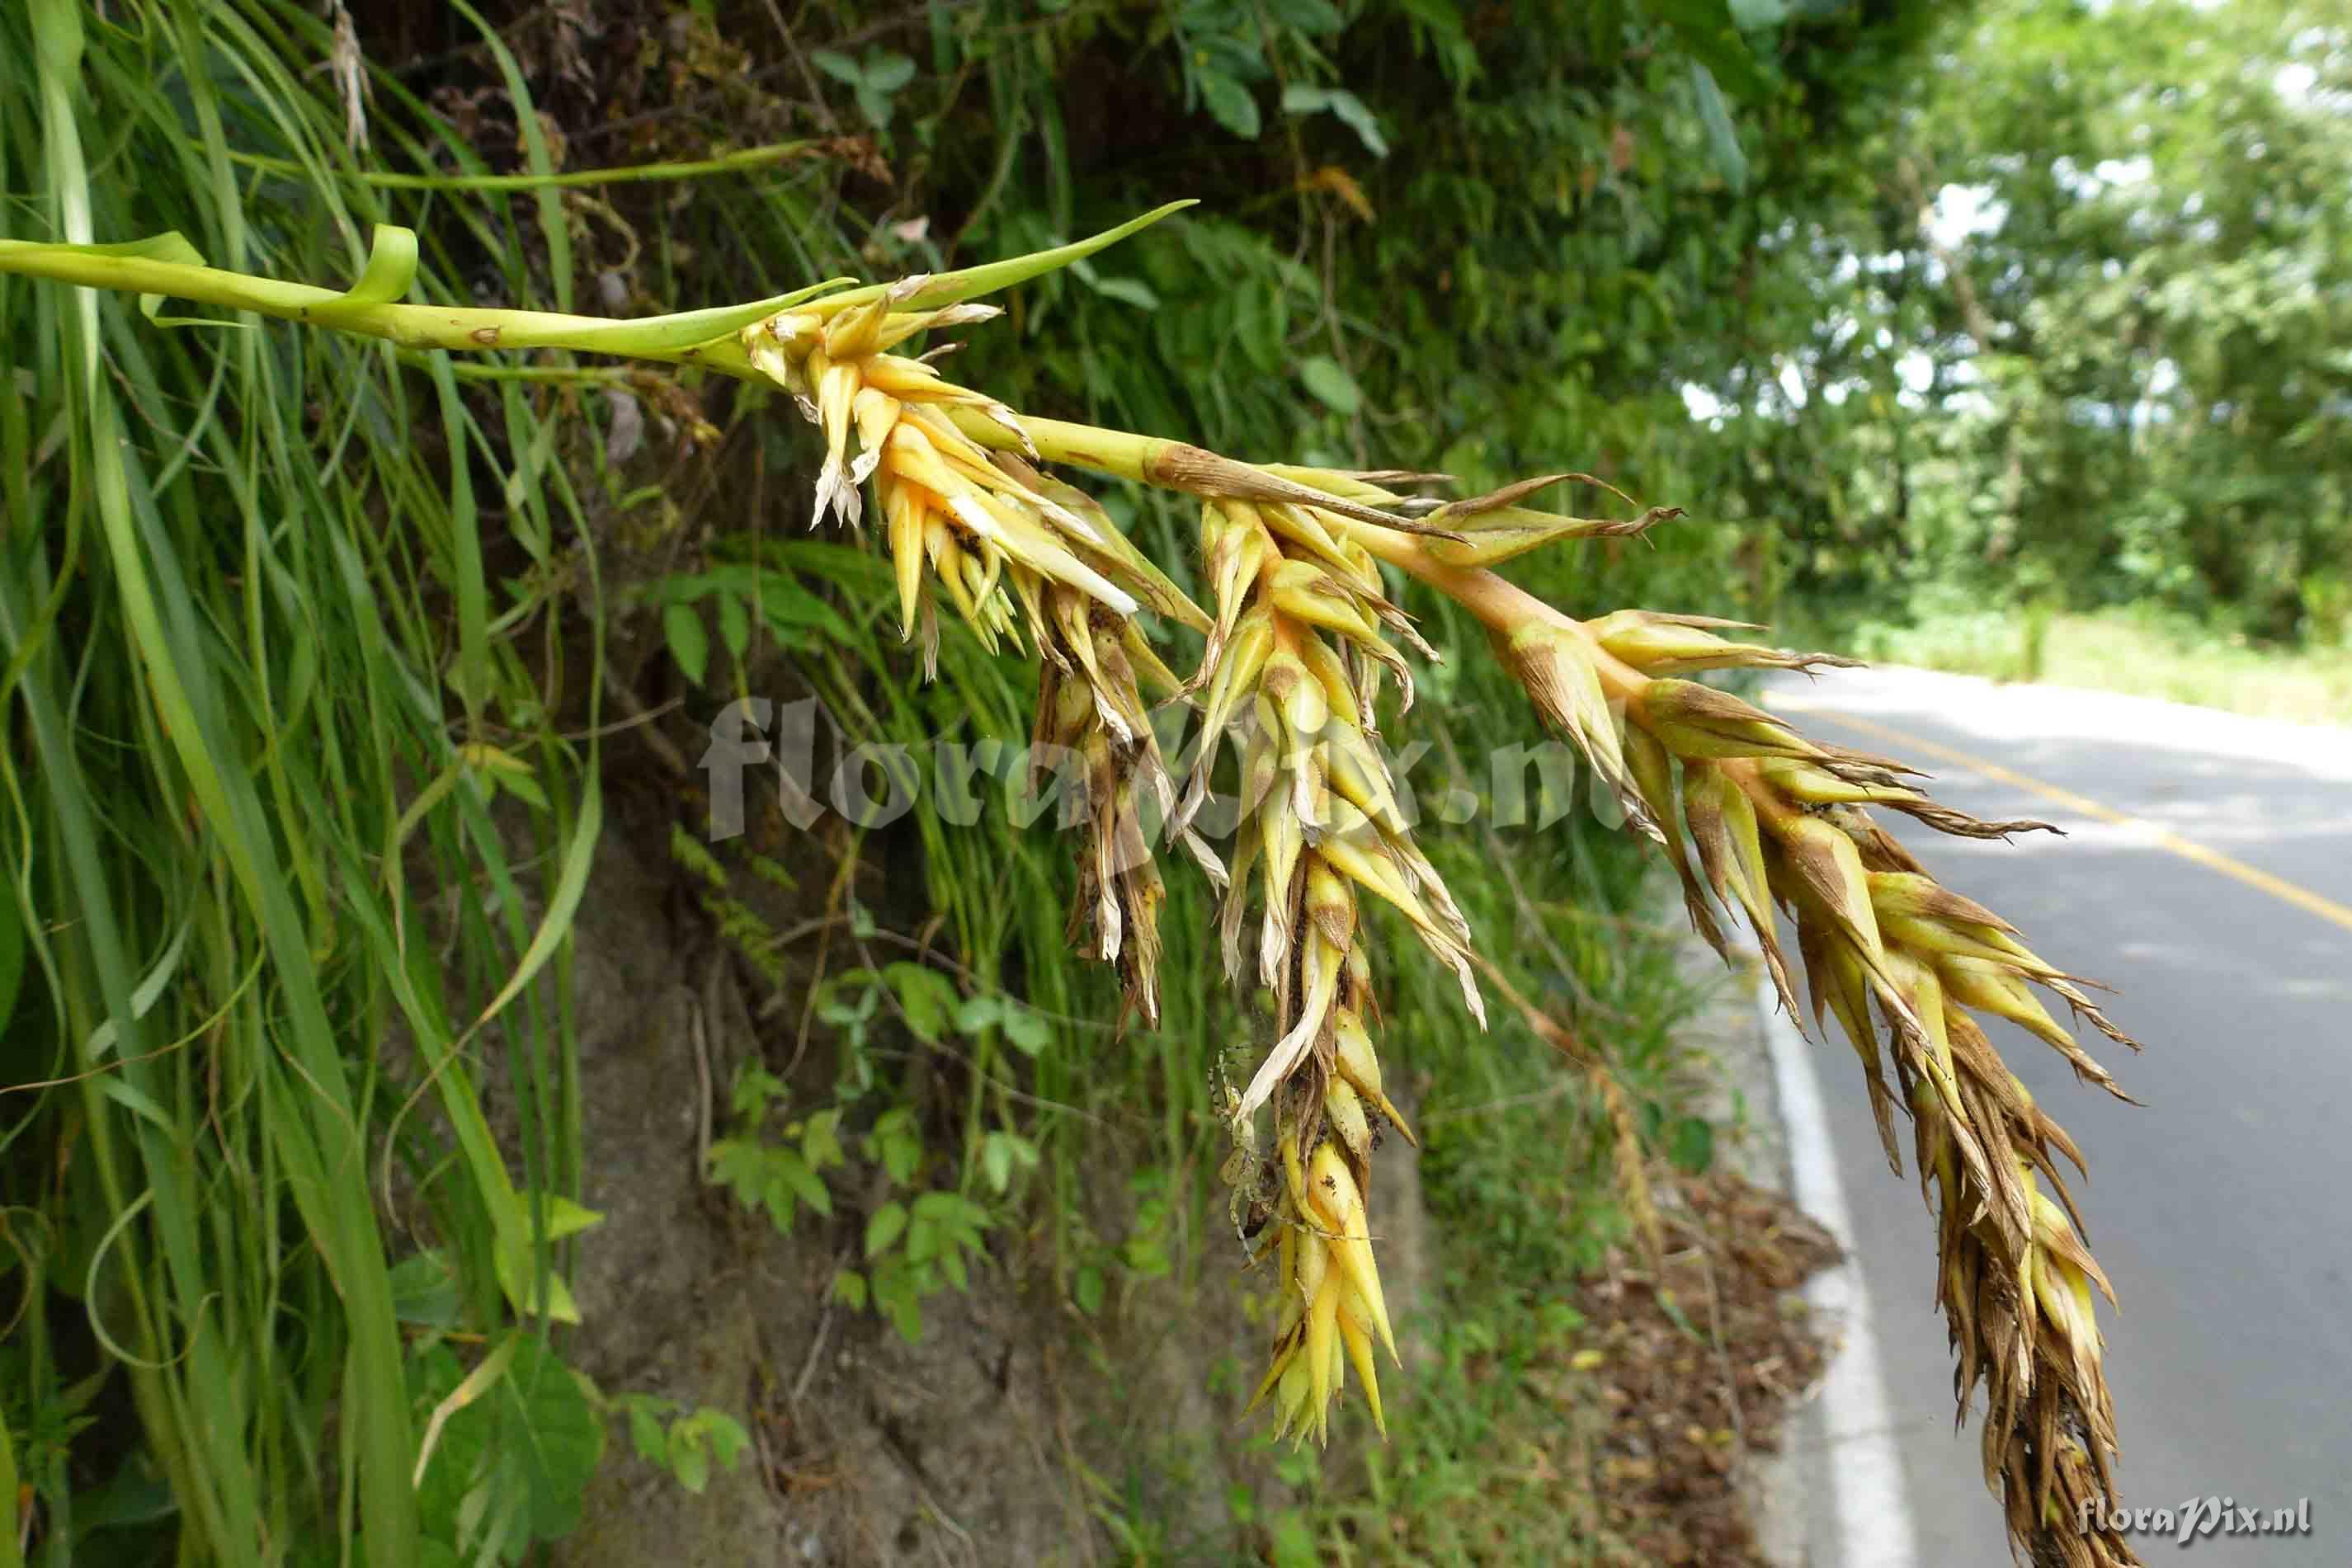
1236	675
1922	897
1309	1265
1659	645
1747	839
1964	941
1294	1171
1026	541
1552	661
1234	550
902	511
1080	513
1834	976
1149	668
1699	721
1722	824
899	326
902	378
2054	1233
913	455
835	391
1823	858
1993	986
1338	1209
947	556
1341	692
1311	594
1330	905
1294	1398
1306	531
874	414
2064	1296
1360	1068
1817	786
1322	1348
1320	984
1291	699
963	456
981	570
1278	1364
1653	772
1368	863
1360	1350
791	331
1360	778
1925	992
1309	590
771	362
856	331
1282	839
1343	1114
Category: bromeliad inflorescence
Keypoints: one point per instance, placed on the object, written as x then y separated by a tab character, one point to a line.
1756	820
1301	634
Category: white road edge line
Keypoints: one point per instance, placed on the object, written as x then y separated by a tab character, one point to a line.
1872	1505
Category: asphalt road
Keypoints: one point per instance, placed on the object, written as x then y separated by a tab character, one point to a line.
2222	1211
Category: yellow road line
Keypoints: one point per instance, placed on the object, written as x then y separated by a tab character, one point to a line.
2302	898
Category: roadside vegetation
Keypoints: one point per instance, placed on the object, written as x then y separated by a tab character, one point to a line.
2140	651
2073	405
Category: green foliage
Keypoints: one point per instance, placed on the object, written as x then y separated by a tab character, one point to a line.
2141	650
913	1245
2107	373
689	1444
513	1453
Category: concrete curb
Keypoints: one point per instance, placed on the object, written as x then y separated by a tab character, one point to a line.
1834	1495
1857	1461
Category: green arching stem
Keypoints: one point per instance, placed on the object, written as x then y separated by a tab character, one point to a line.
703	336
727	163
372	309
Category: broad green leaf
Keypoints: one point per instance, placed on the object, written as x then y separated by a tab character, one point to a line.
888	72
424	1291
849	1289
1128	291
1230	104
1028	1030
554	1431
1707	29
1722	136
564	1218
803	1183
1350	110
645	1434
1331	384
689	640
734	625
729	1441
689	1460
889	1223
927	997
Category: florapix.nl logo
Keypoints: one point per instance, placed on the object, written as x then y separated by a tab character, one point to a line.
813	767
